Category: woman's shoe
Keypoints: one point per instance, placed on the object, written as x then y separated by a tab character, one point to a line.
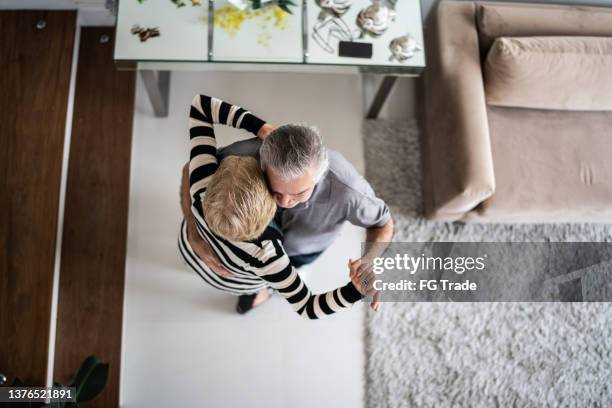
247	302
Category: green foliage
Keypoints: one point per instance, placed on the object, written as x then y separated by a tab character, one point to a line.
89	381
284	5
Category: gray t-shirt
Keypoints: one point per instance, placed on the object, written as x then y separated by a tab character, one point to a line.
341	195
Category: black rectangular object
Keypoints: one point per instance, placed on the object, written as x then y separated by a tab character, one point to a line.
355	49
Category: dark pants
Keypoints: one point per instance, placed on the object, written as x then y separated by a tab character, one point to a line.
305	259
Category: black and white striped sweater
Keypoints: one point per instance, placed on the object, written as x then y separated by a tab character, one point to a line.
256	264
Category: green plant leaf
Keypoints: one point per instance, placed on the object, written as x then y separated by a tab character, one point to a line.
285	8
93	384
90	379
85	367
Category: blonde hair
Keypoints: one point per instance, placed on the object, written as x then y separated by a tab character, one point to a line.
237	205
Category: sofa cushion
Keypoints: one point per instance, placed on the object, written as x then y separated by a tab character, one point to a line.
549	166
526	20
562	73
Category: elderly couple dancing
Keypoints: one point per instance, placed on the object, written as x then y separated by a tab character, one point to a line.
258	209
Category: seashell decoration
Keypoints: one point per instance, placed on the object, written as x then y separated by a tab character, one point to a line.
403	48
376	18
337	7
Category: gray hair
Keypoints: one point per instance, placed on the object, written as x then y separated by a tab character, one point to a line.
291	150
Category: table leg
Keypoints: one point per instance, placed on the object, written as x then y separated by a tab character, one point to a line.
381	96
157	84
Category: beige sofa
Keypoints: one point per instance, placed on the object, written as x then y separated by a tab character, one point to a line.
488	163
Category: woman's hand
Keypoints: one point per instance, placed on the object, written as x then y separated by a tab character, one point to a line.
363	279
265	130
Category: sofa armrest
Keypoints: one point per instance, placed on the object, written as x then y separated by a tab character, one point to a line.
457	159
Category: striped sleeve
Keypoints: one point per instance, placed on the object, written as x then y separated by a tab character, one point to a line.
283	277
204	113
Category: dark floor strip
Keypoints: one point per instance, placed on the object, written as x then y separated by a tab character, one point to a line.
95	219
35	63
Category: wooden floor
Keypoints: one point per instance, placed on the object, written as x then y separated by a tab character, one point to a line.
95	228
36	67
33	100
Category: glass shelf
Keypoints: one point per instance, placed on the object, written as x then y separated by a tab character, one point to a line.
264	36
183	31
407	21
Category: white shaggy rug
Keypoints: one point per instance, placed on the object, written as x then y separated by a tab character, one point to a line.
477	354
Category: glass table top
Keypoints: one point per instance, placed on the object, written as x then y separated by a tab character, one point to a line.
218	31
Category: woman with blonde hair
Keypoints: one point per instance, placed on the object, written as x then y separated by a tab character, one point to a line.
233	212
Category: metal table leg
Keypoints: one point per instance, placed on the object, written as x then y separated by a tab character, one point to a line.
157	84
381	96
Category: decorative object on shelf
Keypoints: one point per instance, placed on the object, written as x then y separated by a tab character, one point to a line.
403	48
145	33
231	19
355	49
335	7
330	27
376	18
282	4
328	32
180	3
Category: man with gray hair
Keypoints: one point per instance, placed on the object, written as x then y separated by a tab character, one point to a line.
316	190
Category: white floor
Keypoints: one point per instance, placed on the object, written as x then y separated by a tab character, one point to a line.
183	345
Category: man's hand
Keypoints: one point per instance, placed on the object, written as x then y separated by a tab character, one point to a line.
377	241
265	130
363	278
203	250
360	266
